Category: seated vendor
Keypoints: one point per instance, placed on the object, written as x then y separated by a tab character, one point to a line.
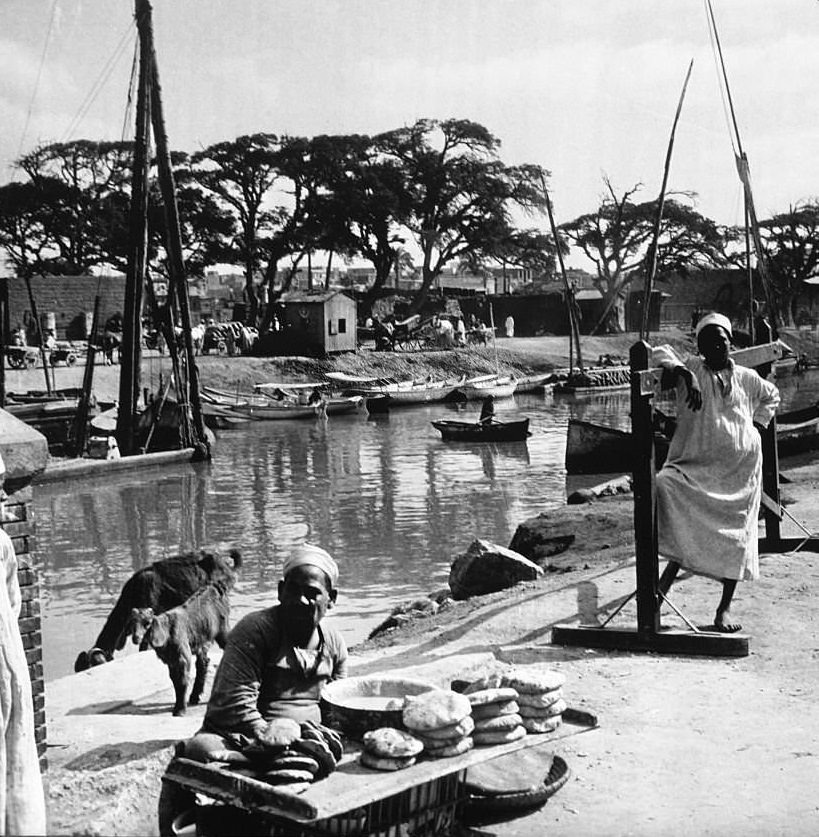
276	660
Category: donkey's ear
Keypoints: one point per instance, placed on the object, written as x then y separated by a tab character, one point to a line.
158	632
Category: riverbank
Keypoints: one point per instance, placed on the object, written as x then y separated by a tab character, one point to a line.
685	745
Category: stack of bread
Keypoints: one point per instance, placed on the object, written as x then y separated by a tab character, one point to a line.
540	698
389	749
442	721
495	712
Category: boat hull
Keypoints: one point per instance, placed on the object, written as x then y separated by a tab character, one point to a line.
496	431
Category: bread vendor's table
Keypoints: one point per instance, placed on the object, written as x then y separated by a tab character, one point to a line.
421	799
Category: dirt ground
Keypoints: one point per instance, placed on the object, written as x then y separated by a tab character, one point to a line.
685	745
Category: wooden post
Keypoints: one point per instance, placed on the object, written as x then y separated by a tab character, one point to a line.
645	492
80	427
4	335
770	481
131	356
176	260
34	313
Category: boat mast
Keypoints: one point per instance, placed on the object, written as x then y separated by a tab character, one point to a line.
178	285
131	355
574	325
658	218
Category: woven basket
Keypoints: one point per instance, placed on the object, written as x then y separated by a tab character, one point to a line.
480	804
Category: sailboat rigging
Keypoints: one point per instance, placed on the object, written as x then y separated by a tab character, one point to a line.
149	120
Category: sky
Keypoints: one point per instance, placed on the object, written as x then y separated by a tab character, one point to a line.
585	88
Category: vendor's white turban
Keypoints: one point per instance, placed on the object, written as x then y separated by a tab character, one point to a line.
714	319
314	556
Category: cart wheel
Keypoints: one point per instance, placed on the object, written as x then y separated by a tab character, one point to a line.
221	348
70	360
16	362
30	361
52	360
173	801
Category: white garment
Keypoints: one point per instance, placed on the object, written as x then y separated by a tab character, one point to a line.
709	490
509	323
22	803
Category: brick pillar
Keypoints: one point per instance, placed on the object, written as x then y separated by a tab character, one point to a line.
24	453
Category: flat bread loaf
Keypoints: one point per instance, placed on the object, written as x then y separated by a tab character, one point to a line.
493	710
279	733
435	709
450	733
287	777
499	736
497	723
384	763
463	745
294	762
540	725
391	743
488	681
557	708
540	699
490	696
534	680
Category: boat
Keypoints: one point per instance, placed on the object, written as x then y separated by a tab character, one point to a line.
471	431
401	393
598	449
594	380
286	409
53	417
535	383
477	388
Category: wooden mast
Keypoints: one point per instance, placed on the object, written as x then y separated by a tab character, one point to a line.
131	355
176	262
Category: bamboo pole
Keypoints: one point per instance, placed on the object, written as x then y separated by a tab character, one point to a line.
658	218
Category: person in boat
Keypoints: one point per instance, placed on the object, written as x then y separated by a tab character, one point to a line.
487	410
710	487
276	660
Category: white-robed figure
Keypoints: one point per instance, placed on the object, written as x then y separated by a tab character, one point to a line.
709	490
22	803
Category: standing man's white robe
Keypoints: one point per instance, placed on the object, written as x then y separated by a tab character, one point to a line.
709	490
22	805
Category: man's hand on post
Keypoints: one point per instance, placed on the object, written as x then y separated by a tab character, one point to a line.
694	397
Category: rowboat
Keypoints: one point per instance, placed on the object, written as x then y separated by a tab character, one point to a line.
494	431
400	392
477	388
287	409
534	383
597	449
603	379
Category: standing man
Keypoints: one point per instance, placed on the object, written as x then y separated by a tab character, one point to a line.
709	490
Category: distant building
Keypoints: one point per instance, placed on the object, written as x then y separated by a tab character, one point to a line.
64	303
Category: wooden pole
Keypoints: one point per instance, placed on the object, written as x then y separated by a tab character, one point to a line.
80	427
34	313
574	326
658	218
131	355
174	241
5	326
751	324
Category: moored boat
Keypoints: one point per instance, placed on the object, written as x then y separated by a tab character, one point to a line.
604	379
471	431
499	386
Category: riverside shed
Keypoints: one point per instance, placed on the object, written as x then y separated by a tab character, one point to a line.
323	320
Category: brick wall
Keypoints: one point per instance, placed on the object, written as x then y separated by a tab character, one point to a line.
17	523
68	298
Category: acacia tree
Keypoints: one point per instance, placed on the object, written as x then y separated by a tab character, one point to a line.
790	239
618	235
241	175
461	195
81	184
23	212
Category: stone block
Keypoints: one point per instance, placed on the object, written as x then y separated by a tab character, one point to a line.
486	568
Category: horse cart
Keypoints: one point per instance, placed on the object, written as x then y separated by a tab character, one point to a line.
22	357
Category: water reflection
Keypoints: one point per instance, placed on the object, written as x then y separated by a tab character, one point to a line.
388	498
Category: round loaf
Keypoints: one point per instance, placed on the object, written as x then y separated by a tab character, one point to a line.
490	696
499	736
294	762
498	723
540	725
287	777
435	709
450	733
488	681
533	680
557	708
385	763
279	733
493	710
391	743
541	699
464	745
320	752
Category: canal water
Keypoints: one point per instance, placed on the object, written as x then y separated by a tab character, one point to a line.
389	499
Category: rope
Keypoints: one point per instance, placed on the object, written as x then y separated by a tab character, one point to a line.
39	74
98	84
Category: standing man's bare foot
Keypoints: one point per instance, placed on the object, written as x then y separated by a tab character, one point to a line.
724	624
